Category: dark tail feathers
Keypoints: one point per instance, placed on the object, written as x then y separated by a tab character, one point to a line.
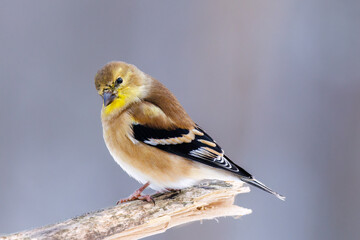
258	184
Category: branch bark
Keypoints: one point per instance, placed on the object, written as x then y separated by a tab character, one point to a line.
139	219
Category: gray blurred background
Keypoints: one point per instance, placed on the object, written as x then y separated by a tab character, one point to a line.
276	83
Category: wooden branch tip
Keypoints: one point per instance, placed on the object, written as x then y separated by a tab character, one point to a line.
139	219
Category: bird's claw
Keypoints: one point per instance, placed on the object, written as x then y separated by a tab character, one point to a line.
147	198
136	196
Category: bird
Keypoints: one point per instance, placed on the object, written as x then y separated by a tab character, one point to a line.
154	140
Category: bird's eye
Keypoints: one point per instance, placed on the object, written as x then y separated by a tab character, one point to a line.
118	81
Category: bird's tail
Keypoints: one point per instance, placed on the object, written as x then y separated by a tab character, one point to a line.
258	184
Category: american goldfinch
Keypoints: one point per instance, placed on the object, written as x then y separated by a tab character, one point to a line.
153	139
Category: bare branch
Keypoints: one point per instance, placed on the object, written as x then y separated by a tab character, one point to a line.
138	219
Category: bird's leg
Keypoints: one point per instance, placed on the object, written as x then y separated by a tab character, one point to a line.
137	195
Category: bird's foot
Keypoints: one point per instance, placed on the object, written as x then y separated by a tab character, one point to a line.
147	198
137	196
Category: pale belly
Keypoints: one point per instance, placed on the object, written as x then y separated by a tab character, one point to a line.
158	181
172	179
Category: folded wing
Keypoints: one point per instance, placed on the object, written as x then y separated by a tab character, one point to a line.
193	144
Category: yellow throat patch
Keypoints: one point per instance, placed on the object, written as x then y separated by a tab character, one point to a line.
124	97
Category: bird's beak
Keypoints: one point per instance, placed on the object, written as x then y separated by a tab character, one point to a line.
108	98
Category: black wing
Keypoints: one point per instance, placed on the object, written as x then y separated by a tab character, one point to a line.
193	144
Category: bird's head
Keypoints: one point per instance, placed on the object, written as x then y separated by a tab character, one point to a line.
120	84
